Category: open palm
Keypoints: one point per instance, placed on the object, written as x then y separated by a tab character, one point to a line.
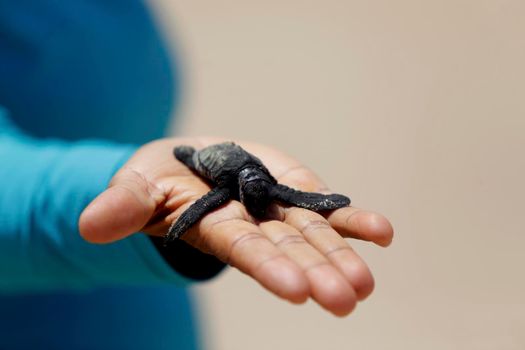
298	254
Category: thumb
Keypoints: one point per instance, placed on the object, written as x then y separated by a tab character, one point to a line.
121	210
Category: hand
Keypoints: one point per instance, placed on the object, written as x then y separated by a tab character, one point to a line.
298	255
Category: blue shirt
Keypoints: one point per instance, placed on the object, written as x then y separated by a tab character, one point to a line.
81	84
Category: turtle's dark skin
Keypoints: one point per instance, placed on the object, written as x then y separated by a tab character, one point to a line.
239	175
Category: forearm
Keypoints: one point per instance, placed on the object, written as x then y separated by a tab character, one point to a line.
45	186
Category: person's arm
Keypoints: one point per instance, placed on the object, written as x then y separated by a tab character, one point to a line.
44	186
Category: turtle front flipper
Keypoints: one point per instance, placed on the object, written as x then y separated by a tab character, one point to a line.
205	204
309	200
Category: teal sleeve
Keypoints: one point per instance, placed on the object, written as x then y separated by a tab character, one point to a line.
44	186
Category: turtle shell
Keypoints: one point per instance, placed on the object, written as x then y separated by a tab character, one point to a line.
222	162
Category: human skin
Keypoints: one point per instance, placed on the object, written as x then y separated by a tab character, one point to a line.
296	255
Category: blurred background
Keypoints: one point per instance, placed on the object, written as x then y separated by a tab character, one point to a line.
416	109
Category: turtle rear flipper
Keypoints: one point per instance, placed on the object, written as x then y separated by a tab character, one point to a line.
185	155
309	200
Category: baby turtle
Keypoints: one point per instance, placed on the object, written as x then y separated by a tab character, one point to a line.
237	174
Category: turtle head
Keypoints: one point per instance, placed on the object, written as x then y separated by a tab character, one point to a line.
254	191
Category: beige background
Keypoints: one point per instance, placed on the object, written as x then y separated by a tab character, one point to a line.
414	108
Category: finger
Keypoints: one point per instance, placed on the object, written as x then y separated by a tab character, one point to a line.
228	235
124	208
361	224
349	221
328	287
318	232
301	178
